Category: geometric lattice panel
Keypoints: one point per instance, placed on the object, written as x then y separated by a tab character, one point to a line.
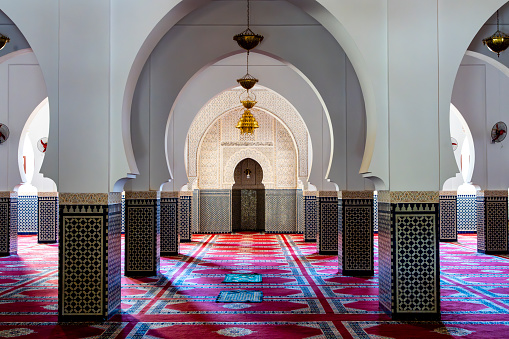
184	217
142	231
169	226
215	211
448	225
48	219
327	239
375	212
495	211
83	257
385	254
280	211
311	217
27	214
466	213
417	259
114	260
8	226
356	237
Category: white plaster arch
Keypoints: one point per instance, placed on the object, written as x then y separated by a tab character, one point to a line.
233	161
269	101
157	19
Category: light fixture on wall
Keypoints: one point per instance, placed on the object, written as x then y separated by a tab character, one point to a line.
498	42
4	133
3	40
248	173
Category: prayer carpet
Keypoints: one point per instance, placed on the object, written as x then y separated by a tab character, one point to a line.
304	296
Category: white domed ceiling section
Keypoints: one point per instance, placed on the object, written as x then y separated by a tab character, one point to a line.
190	66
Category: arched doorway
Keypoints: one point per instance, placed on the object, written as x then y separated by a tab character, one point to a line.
248	197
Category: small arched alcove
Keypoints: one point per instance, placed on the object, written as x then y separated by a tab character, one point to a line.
248	197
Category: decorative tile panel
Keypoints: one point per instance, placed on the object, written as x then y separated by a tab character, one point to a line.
114	261
170	238
27	214
492	237
280	211
301	219
466	213
142	240
385	254
375	212
89	261
448	216
195	208
311	215
480	221
327	237
48	219
409	273
8	223
184	217
215	211
356	251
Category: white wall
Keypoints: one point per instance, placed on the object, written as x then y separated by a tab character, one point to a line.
479	93
22	88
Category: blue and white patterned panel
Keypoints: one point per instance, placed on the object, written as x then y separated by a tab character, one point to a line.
327	239
280	211
466	213
215	211
48	220
417	259
311	216
28	207
375	212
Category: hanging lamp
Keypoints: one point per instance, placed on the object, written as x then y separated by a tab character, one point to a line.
248	39
498	42
247	122
3	40
247	81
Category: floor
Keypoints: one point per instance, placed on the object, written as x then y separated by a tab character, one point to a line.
304	297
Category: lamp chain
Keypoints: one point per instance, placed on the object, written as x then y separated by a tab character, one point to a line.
248	14
497	21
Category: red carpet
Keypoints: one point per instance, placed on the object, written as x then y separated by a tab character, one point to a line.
303	296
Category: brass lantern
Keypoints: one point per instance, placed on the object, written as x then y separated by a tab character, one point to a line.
247	123
3	40
248	39
498	42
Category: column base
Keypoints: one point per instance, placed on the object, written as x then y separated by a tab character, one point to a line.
412	316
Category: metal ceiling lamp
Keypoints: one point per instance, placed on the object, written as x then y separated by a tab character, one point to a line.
247	40
3	40
498	42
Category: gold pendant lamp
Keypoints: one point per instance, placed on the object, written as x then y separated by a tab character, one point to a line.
247	40
498	42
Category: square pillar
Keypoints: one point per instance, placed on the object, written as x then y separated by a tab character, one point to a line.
48	218
184	215
356	249
142	233
466	215
448	216
89	256
311	215
8	223
170	237
492	237
327	236
409	263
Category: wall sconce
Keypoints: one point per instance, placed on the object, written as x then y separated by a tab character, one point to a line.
3	40
248	173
